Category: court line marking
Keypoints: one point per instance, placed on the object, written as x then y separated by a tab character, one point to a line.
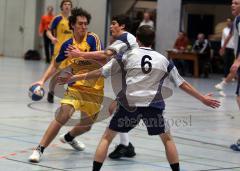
188	139
141	147
28	163
30	105
23	151
222	168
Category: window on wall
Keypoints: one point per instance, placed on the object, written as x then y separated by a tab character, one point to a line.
200	24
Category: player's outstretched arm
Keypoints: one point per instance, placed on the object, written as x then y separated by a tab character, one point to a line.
108	69
205	99
87	76
70	78
73	52
51	70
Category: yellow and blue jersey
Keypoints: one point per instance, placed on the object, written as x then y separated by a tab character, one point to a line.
91	42
60	29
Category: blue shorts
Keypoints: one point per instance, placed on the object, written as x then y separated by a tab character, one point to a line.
238	82
123	121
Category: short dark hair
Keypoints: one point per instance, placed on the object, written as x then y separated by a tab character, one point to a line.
122	19
78	12
63	1
146	35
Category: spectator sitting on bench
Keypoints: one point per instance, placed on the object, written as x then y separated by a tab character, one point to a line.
180	46
202	48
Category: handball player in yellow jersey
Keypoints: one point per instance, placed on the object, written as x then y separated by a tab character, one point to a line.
84	96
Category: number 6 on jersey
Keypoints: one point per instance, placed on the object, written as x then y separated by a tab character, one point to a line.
148	69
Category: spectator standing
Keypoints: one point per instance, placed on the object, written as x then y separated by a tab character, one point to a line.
147	20
43	27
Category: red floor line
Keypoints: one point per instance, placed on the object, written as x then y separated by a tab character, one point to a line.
23	151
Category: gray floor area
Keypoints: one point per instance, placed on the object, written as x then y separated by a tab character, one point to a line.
202	135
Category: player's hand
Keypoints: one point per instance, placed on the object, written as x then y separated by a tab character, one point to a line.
54	40
41	83
65	78
222	51
72	52
208	100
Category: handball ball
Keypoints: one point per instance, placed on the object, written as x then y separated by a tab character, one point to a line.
36	92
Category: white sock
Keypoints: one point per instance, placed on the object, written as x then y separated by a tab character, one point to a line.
124	139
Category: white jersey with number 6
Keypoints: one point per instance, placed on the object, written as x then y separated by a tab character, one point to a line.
145	76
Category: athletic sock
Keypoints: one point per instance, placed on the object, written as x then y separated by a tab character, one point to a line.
68	137
97	166
175	167
40	148
124	139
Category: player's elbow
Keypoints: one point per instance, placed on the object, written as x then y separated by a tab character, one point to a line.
184	85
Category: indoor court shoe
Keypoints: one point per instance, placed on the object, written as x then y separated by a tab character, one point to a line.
221	93
36	156
235	147
219	86
77	145
122	151
130	151
50	97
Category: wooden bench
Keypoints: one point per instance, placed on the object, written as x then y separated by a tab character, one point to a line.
186	56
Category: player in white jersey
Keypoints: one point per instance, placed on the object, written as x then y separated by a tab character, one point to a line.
235	33
145	73
228	55
235	69
123	42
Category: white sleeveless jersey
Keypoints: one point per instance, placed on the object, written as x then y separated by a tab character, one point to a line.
146	76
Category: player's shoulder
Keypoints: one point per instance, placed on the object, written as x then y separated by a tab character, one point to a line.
57	18
92	35
161	56
125	37
133	52
68	42
130	37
